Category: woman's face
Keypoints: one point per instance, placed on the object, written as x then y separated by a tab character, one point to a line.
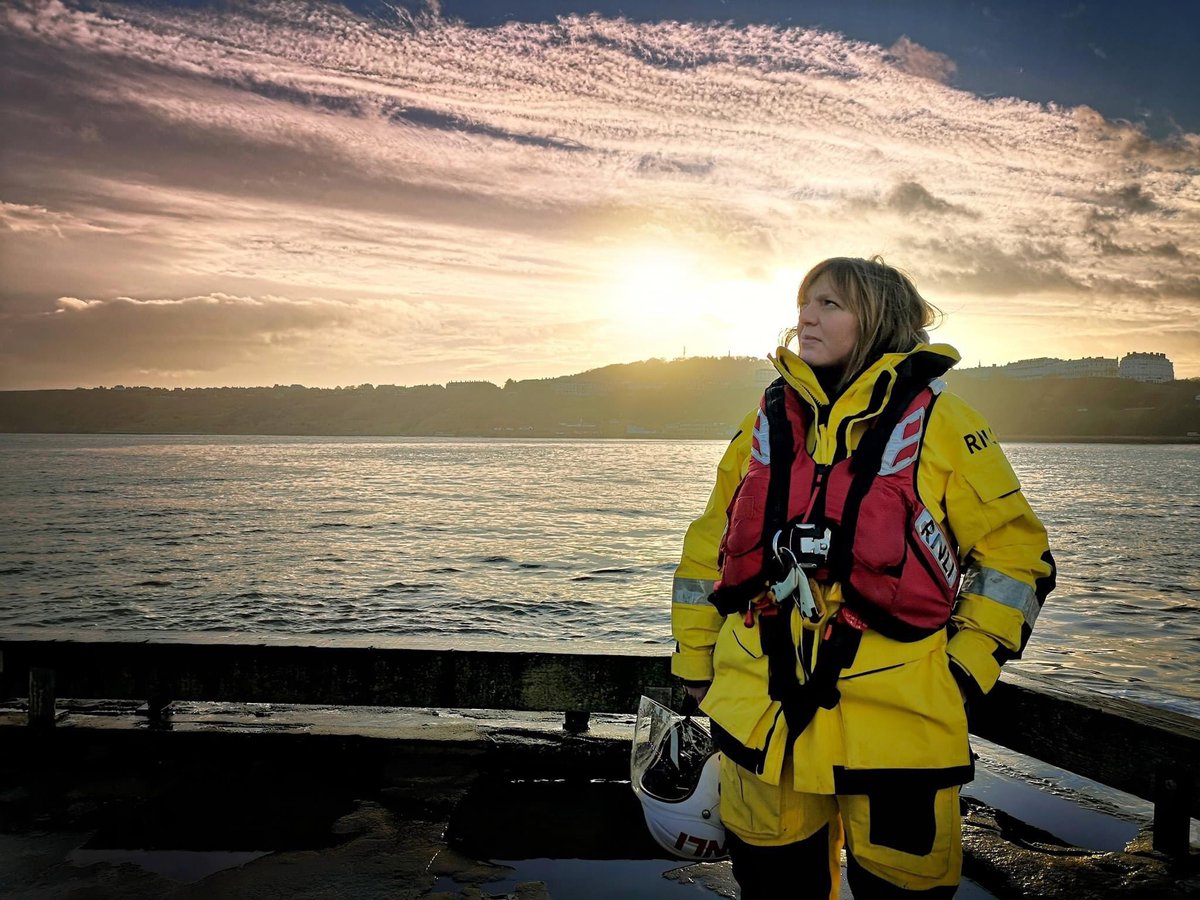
827	329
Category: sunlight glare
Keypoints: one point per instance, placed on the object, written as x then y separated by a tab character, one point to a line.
658	284
669	300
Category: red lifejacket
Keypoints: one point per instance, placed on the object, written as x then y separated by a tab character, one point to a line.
898	567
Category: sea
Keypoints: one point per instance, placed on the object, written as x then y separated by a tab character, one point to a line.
551	542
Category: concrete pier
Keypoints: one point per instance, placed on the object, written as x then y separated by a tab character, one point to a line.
363	802
308	767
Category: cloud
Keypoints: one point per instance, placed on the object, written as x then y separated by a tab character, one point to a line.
203	337
1102	229
981	267
910	57
1179	152
19	218
1130	198
196	333
452	187
910	197
661	162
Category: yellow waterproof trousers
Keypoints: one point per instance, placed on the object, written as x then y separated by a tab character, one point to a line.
898	838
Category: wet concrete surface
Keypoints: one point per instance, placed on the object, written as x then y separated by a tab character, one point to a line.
309	802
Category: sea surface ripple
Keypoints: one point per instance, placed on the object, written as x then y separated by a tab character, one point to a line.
551	541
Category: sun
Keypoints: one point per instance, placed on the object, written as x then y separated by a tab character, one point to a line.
658	284
667	300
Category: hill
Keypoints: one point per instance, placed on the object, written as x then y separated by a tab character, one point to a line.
699	397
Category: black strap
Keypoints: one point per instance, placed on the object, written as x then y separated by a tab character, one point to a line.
783	451
736	751
801	701
735	598
775	630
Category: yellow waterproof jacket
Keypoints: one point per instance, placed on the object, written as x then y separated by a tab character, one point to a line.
900	704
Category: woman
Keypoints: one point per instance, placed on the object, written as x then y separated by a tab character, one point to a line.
865	564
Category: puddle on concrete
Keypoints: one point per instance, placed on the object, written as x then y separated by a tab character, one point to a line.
1080	812
1073	823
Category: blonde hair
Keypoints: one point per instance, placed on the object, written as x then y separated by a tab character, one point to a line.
892	316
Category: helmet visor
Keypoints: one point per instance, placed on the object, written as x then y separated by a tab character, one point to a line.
669	752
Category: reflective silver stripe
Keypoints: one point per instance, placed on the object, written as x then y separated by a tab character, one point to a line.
694	591
1003	589
898	445
760	446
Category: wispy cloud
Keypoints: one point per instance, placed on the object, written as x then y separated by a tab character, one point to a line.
423	196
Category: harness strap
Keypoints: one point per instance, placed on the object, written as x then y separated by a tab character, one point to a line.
783	450
838	649
776	636
735	598
776	630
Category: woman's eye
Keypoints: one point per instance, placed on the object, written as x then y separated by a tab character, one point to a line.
820	303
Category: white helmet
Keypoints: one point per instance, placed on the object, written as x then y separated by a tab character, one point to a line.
675	772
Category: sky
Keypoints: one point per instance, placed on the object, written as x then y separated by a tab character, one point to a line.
235	193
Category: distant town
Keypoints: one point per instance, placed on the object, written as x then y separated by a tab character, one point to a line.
1096	399
1151	368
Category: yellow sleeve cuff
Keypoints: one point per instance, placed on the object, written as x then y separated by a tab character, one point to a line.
973	650
695	627
1002	624
692	667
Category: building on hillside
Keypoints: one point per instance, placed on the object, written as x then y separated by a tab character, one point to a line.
1090	367
1030	368
1149	367
1044	367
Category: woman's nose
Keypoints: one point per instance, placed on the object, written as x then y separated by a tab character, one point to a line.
807	314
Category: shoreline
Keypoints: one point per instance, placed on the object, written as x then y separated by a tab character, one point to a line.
567	436
1101	439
